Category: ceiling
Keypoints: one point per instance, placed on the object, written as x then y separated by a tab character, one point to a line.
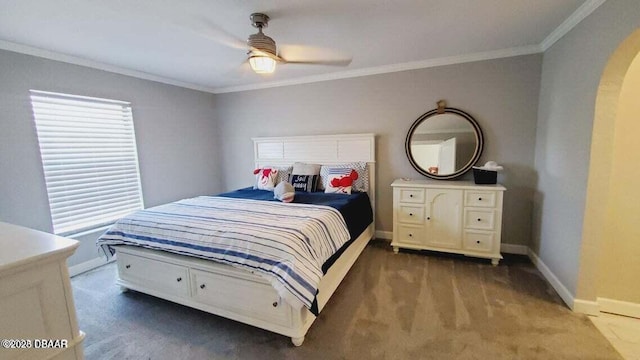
199	43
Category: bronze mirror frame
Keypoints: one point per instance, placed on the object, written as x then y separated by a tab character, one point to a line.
438	111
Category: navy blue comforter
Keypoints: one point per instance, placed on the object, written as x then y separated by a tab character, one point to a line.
355	208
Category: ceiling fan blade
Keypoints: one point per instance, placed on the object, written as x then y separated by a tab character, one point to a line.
198	25
337	62
211	31
313	55
261	45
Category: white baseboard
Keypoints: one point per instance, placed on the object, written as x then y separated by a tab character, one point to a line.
619	307
87	265
586	307
577	305
514	249
564	293
386	235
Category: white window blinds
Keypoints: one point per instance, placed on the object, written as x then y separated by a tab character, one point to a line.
89	157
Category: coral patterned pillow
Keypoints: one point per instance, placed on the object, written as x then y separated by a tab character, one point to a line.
340	181
360	184
266	178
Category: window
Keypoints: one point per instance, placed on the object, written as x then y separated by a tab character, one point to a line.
89	158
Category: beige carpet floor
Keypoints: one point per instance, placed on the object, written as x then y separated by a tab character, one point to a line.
413	305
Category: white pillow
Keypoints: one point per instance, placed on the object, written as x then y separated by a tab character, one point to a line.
305	169
284	192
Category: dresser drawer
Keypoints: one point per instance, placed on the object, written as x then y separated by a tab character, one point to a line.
411	214
477	198
410	234
240	296
478	240
168	278
411	196
479	219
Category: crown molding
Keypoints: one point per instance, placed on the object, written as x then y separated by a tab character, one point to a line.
574	19
449	60
75	60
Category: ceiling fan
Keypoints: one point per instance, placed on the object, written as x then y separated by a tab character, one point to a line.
263	54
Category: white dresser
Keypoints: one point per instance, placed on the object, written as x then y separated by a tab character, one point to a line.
450	216
37	314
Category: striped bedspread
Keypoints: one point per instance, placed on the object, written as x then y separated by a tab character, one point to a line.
286	243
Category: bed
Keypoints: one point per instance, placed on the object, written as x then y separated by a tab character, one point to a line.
282	301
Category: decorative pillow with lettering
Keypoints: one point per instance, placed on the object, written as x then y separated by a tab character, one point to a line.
305	183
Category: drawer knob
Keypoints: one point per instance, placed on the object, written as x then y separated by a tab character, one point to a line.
479	219
410	195
410	214
127	266
410	235
479	199
202	286
477	241
179	279
428	218
275	304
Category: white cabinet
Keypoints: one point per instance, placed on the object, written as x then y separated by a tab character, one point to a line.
36	303
442	224
451	216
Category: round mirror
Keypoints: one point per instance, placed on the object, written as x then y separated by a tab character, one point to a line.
444	143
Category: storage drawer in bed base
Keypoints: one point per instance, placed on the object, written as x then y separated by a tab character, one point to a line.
215	288
226	291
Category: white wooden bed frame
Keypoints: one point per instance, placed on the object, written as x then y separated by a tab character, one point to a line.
239	294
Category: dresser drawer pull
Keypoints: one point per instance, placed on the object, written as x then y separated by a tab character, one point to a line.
479	199
479	219
202	286
410	235
477	241
428	218
410	214
127	266
179	279
275	304
410	195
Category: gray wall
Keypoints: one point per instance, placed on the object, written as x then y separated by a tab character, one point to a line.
176	133
571	73
502	95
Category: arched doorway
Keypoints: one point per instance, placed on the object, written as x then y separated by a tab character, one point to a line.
609	268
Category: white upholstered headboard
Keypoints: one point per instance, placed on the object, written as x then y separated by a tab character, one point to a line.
319	149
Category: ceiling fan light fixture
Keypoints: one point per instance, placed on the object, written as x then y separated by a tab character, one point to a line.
262	51
262	64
